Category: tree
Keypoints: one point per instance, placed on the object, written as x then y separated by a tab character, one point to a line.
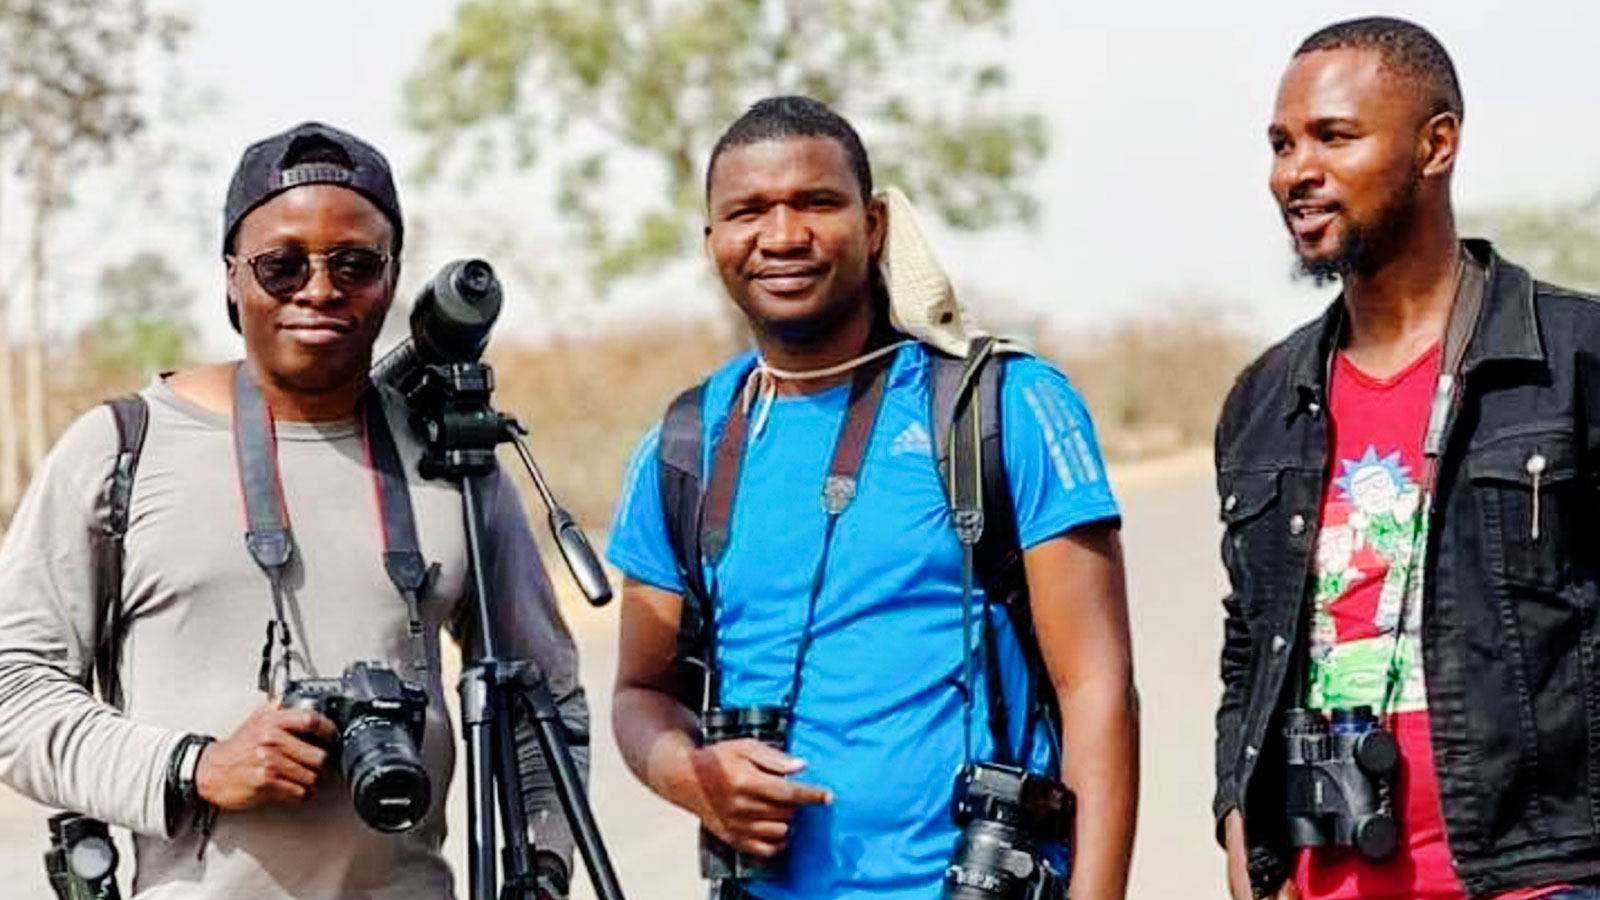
145	325
1557	243
68	99
589	89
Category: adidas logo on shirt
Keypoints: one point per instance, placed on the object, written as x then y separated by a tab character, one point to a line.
914	439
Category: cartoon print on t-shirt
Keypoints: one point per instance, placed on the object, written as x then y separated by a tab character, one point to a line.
1372	529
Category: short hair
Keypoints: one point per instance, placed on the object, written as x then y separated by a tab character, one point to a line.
1406	48
776	118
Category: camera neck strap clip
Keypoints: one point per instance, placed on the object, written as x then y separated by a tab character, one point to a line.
268	535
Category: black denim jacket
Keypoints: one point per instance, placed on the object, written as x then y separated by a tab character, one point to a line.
1511	649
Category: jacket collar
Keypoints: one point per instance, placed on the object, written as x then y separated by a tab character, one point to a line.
1507	330
1508	327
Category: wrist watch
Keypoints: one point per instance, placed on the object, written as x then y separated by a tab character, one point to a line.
184	802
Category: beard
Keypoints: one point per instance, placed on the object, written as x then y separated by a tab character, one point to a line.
1366	245
806	331
822	326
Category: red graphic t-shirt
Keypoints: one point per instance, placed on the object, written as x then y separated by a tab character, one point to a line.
1368	575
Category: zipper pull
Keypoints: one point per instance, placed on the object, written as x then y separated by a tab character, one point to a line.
1535	466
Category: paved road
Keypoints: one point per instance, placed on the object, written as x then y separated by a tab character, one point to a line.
1171	539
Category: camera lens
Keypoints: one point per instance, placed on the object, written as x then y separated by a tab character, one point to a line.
992	861
388	784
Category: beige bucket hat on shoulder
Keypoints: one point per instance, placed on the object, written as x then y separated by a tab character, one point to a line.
922	301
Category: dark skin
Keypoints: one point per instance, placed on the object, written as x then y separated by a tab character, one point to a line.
309	354
794	242
1351	139
795	202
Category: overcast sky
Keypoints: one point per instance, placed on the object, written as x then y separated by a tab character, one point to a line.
1154	192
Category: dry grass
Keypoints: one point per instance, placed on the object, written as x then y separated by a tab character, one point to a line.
586	404
1154	385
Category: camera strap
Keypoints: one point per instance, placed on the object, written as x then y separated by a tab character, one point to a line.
1471	282
268	535
838	489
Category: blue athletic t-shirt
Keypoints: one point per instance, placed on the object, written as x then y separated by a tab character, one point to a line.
878	717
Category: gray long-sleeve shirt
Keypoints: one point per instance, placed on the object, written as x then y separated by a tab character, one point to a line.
196	606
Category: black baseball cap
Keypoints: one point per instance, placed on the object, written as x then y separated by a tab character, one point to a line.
309	153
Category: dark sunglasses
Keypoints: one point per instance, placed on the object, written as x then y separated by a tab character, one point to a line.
283	272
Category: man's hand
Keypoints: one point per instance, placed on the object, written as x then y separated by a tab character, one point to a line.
748	800
1238	856
738	789
271	758
1239	862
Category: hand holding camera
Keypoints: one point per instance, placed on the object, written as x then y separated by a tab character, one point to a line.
273	757
378	720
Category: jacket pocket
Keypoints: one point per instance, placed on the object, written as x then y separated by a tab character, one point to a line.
1525	481
1251	549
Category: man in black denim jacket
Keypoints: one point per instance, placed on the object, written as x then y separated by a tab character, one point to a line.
1364	134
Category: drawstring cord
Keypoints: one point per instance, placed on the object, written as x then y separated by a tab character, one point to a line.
761	388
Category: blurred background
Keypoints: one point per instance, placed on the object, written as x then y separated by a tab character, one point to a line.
1094	175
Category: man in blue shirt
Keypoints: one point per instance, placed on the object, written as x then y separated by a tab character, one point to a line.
856	625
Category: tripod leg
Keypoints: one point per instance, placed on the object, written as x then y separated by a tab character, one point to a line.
541	707
477	716
519	881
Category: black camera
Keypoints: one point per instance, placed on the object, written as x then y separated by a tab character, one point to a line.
770	726
380	718
1341	781
1005	815
82	860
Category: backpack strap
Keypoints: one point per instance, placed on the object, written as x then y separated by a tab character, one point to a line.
970	389
679	457
967	417
132	416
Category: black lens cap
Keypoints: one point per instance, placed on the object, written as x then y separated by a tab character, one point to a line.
1376	836
392	798
1376	752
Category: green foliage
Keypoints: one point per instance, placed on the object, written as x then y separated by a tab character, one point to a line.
146	326
1557	243
588	89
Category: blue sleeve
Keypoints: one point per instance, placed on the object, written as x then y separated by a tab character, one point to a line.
638	544
1058	479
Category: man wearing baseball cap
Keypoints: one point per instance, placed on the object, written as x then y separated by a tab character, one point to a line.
227	792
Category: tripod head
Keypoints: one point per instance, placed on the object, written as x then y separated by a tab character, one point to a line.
451	413
448	392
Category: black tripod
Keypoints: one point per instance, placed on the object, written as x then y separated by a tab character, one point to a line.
451	411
